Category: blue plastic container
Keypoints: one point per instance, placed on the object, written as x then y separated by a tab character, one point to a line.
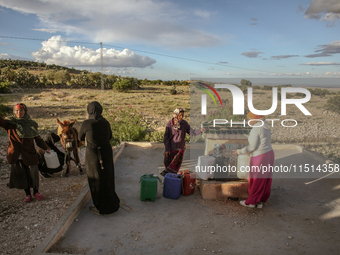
172	185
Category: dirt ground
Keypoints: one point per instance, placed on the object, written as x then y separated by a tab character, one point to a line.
24	225
299	218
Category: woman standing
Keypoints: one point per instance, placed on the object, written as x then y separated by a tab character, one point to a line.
262	154
99	160
21	153
174	141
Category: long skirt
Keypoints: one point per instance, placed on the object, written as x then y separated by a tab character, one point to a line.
173	161
24	177
101	178
260	183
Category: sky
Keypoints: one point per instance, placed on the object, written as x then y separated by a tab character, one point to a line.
187	39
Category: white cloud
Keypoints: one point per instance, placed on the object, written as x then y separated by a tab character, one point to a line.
47	30
202	14
252	54
321	64
149	21
285	74
283	56
55	51
323	9
333	74
7	56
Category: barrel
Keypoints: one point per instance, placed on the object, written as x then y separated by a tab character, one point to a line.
172	186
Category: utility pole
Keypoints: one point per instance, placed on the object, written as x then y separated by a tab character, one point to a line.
101	66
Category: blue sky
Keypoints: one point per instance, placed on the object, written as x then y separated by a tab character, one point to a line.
178	39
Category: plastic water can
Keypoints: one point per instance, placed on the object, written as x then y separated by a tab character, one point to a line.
243	161
51	159
172	185
203	170
188	182
148	187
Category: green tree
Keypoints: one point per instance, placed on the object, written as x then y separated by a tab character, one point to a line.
245	83
62	76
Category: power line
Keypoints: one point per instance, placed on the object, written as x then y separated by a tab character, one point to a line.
136	50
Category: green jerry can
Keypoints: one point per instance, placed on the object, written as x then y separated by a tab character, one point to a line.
148	187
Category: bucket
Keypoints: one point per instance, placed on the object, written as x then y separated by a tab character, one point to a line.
172	185
243	161
203	170
188	182
52	160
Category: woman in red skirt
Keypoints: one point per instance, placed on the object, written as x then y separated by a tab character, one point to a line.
262	154
174	141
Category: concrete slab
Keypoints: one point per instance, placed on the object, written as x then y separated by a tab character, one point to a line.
301	216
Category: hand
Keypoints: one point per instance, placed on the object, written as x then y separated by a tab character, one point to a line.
203	130
166	153
235	152
48	150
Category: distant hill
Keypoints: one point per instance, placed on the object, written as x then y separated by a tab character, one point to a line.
36	67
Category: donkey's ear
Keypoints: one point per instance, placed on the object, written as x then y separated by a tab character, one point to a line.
72	123
60	123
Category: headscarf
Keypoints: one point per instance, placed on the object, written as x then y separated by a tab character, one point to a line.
26	127
253	116
176	122
94	109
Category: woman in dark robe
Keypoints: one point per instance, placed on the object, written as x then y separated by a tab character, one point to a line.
96	132
21	154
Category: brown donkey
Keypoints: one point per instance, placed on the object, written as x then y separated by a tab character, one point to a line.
69	139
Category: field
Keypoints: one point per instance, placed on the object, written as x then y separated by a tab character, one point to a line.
25	225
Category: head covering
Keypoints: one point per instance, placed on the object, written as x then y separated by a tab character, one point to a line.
94	109
20	106
175	121
26	127
253	116
178	110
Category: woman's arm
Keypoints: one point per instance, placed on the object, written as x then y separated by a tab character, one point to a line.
167	137
254	140
40	142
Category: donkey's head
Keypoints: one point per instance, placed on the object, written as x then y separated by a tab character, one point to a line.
67	135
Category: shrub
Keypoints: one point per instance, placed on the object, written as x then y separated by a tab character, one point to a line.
156	136
3	108
319	92
5	87
173	90
62	76
126	124
333	104
245	83
126	84
123	85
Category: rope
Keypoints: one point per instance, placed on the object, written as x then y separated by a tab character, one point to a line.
123	204
75	187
